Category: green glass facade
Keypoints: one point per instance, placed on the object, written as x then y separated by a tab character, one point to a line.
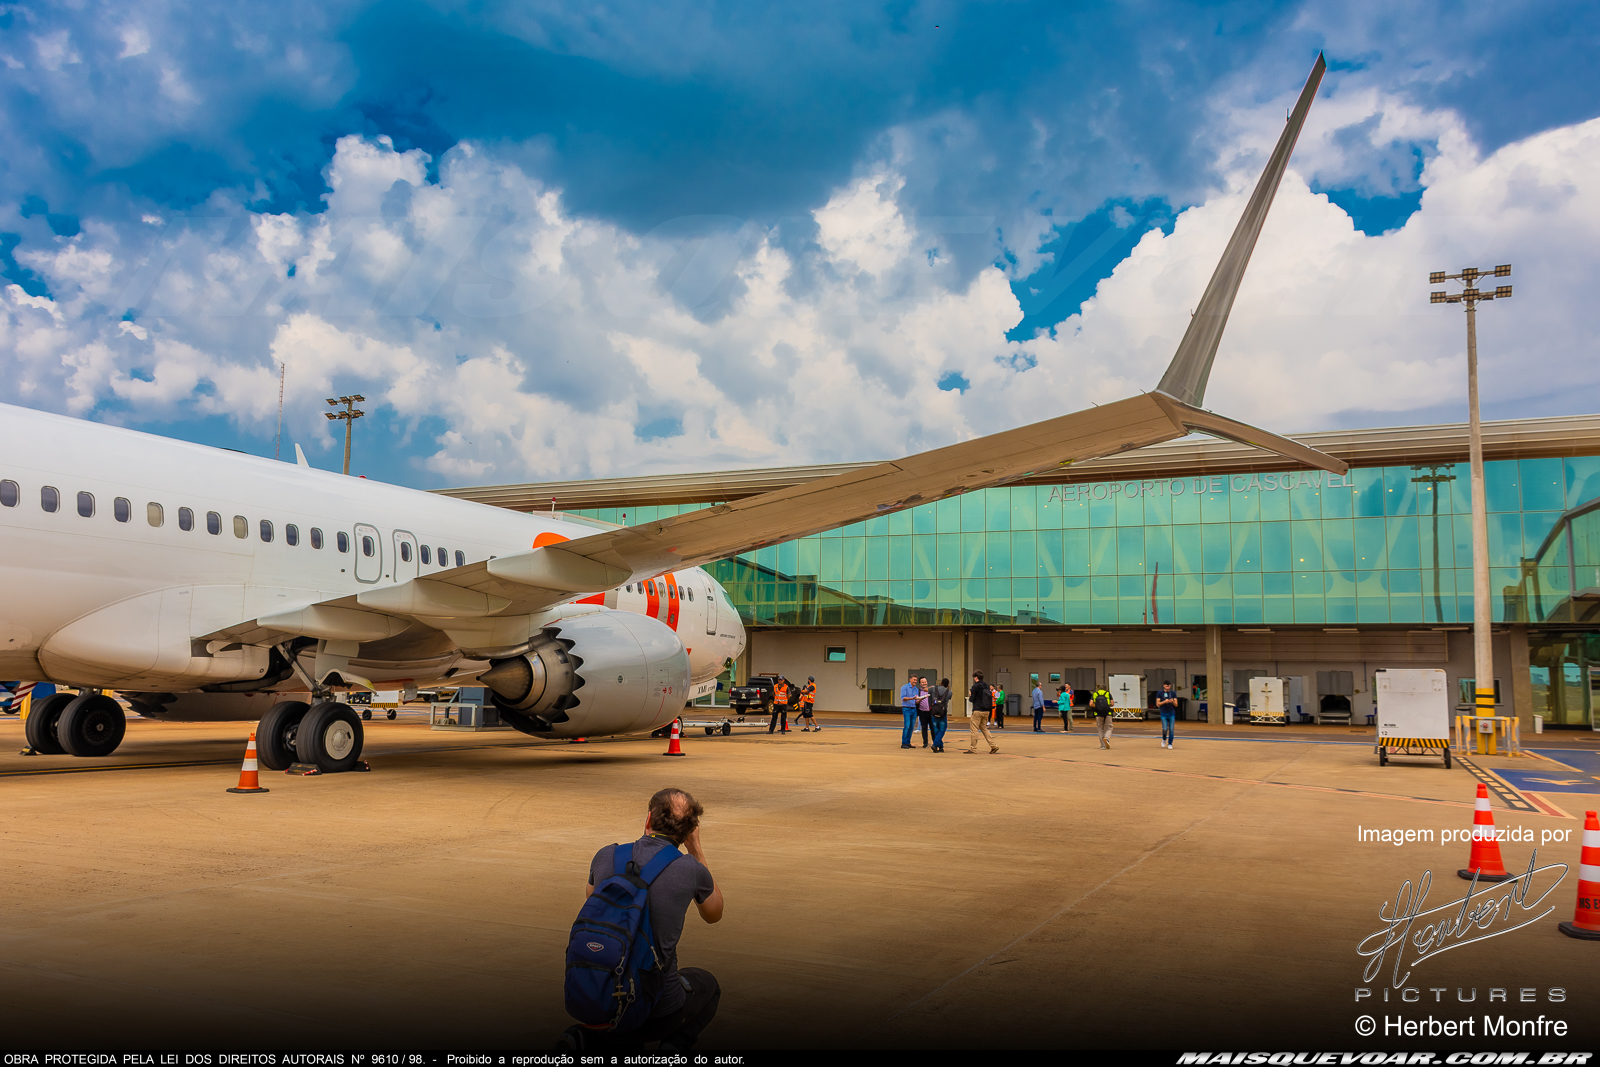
1381	545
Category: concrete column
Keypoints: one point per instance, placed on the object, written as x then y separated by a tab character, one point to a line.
1215	697
959	671
1521	680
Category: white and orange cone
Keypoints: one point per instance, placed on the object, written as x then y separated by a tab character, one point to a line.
1585	923
1485	863
675	747
249	778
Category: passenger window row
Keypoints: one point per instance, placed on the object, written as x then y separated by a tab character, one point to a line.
671	592
155	515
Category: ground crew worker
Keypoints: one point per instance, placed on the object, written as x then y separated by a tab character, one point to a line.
780	704
1064	706
808	700
982	698
1000	707
1100	708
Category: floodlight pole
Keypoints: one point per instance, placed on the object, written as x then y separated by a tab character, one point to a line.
1482	608
348	415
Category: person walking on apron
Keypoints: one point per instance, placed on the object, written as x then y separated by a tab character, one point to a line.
780	704
1100	708
1167	705
808	705
982	698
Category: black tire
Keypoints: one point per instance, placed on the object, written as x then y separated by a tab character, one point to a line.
391	714
92	725
1383	756
40	726
366	714
710	730
727	728
276	732
330	736
1447	759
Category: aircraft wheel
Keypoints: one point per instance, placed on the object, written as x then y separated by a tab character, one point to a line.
40	725
276	732
391	714
92	725
330	736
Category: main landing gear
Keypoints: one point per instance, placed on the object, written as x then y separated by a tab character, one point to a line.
326	735
91	724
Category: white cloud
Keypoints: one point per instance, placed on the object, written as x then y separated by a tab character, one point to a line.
541	341
135	42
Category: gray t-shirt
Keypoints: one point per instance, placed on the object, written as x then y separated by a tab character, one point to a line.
686	879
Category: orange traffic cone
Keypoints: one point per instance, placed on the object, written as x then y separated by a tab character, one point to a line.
675	748
1485	863
1585	922
249	780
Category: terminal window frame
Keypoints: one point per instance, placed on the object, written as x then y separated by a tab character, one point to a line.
835	654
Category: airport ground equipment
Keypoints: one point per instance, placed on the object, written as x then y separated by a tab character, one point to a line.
1413	714
1585	923
1127	696
1484	863
249	773
1268	701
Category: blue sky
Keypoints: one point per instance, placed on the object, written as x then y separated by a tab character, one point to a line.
559	241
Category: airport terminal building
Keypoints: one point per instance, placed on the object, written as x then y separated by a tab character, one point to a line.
1180	562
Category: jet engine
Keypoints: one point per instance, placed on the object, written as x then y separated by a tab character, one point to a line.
606	672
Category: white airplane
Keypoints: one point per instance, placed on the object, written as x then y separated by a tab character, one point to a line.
183	576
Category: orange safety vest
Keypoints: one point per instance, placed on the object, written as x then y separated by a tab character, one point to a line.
808	694
780	693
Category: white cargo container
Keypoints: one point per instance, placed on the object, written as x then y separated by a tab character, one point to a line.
1413	714
1127	696
1268	698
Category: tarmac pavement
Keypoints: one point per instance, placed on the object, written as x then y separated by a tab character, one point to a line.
1053	895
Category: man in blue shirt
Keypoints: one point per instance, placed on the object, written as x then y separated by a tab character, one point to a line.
1038	707
910	693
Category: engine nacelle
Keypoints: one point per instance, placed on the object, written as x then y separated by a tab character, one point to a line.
605	672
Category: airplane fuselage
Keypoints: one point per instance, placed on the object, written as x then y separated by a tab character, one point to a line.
121	549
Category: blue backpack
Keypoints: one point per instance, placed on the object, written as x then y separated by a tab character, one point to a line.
613	974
